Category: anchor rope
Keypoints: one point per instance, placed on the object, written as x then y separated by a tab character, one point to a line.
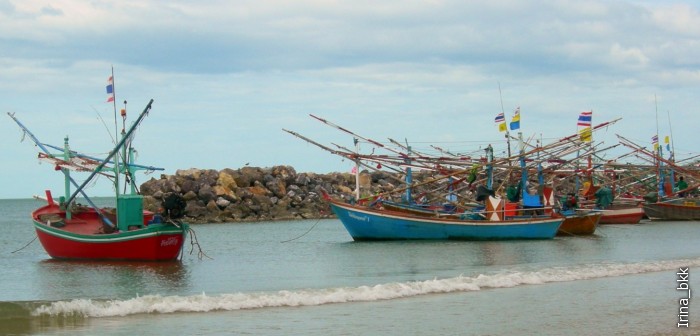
25	246
195	242
304	234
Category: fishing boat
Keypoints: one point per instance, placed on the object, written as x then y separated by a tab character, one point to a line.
68	230
676	209
667	203
622	214
366	224
612	211
668	206
578	223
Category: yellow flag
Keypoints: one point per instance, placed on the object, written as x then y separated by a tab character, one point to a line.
502	127
586	134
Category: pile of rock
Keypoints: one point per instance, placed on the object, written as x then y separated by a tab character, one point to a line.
257	194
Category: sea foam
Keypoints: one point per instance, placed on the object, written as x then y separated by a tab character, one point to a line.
312	297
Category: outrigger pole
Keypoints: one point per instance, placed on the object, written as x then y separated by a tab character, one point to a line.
114	151
46	151
80	155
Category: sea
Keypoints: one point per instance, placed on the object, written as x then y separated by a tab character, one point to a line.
309	277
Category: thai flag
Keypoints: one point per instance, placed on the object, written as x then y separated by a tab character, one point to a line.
585	118
110	89
500	118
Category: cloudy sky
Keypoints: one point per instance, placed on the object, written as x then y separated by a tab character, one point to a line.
228	76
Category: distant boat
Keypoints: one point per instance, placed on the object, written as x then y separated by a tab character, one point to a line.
664	205
579	223
622	214
364	223
678	209
68	230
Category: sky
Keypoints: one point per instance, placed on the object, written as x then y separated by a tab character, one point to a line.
227	77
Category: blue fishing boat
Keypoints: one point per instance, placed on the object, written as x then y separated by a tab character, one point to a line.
363	223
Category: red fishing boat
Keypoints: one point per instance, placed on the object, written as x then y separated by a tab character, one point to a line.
68	230
622	214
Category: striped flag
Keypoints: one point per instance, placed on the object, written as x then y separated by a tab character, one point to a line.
110	89
655	141
501	122
500	118
585	119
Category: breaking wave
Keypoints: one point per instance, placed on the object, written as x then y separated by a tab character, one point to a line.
150	304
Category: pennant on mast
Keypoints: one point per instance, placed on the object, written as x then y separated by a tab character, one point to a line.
110	89
585	120
515	122
501	122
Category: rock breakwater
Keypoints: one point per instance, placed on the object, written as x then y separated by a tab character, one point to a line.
257	194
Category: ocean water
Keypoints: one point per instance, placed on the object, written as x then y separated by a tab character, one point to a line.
309	278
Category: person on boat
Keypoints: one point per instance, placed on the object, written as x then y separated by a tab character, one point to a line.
473	174
604	197
681	185
570	202
513	193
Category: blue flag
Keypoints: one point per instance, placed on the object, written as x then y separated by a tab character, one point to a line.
515	122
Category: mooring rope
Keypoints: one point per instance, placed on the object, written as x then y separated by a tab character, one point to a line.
195	242
305	233
23	247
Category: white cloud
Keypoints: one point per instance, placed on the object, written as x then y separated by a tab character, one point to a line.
633	58
678	18
228	76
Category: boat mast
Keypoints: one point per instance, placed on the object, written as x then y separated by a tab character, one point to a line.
127	157
114	151
589	172
66	172
357	170
670	128
489	167
409	174
504	113
660	178
672	151
523	167
116	135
